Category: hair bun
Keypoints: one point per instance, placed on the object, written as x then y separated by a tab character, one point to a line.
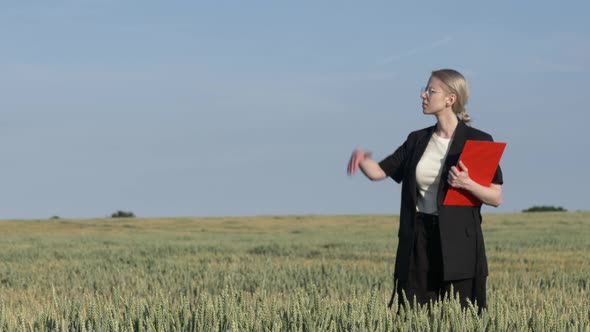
465	117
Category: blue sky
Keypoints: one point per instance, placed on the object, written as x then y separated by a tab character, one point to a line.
253	108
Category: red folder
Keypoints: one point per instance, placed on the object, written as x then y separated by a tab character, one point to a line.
481	159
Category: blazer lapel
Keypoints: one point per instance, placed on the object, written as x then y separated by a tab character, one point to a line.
457	143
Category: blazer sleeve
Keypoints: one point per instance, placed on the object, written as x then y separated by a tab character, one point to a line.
497	179
394	165
498	176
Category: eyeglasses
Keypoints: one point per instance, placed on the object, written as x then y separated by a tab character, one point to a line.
428	91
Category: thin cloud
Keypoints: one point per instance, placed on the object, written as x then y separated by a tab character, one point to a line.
571	55
421	49
545	66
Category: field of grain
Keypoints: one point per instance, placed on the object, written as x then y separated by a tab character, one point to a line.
284	273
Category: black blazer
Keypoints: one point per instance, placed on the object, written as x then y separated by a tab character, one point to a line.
461	237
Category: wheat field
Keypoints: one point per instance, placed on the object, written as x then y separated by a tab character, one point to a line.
281	273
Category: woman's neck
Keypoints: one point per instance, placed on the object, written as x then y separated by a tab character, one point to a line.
446	125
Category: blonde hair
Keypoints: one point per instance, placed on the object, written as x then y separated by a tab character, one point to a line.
457	85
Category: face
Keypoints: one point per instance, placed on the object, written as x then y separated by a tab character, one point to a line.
435	98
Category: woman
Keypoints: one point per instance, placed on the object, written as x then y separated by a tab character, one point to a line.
439	246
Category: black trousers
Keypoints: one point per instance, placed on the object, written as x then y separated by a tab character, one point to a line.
425	279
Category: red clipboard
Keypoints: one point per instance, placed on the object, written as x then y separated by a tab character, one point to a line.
481	159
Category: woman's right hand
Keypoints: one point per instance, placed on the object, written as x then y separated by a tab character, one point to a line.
357	156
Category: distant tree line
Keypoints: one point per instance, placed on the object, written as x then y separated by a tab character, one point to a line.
123	214
118	214
545	208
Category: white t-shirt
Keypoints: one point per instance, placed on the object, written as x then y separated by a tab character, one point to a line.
428	173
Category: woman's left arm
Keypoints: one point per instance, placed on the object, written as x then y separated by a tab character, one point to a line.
459	178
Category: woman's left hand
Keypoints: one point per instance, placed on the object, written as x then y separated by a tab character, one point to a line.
459	176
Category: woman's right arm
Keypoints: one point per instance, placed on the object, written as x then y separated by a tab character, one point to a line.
369	167
372	170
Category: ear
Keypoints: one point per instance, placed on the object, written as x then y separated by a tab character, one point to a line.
451	99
